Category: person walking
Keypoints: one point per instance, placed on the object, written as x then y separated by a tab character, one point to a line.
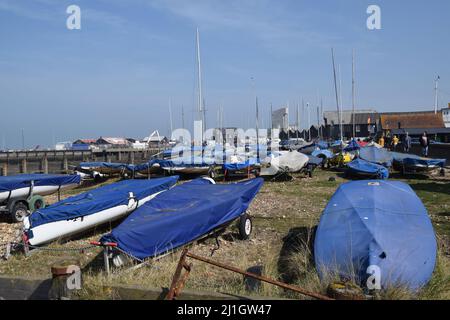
407	143
424	143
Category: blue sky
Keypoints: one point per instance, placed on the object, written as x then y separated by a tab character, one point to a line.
115	76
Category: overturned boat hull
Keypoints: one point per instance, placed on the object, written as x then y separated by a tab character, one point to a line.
376	226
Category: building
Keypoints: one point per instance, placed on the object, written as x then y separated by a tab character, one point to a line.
415	123
84	144
110	142
446	116
367	123
280	119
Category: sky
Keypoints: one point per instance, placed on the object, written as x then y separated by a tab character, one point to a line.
116	75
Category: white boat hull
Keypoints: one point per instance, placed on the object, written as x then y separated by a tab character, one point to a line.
61	229
188	170
40	190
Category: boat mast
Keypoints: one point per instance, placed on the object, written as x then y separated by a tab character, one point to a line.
309	121
257	129
170	116
321	118
336	93
353	93
436	94
341	105
297	121
303	116
182	117
200	98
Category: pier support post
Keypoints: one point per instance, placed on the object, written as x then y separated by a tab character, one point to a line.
65	164
23	167
131	157
44	164
5	169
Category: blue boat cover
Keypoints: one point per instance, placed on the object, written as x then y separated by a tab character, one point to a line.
326	153
376	223
194	161
352	146
10	183
93	201
322	144
364	168
109	165
412	160
376	155
181	215
240	165
315	161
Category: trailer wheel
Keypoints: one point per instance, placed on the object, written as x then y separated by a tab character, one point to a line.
36	202
19	212
245	227
310	170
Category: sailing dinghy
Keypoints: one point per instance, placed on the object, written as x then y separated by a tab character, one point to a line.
92	208
181	215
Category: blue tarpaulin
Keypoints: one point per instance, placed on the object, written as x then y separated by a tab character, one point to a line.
376	155
378	224
240	165
352	146
181	215
24	180
99	199
412	160
364	168
315	161
194	161
108	165
323	153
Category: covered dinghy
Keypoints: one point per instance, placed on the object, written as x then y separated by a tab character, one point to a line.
92	208
381	224
365	169
280	162
352	146
100	169
376	155
411	162
238	163
187	165
181	215
42	184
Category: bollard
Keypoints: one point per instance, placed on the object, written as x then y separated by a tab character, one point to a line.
66	280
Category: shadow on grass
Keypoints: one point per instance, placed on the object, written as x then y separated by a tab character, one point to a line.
415	176
434	187
297	244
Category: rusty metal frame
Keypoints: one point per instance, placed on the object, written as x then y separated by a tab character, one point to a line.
179	280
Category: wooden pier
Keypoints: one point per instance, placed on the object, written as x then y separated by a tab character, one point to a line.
63	161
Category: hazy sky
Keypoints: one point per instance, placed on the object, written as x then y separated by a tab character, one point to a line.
115	76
